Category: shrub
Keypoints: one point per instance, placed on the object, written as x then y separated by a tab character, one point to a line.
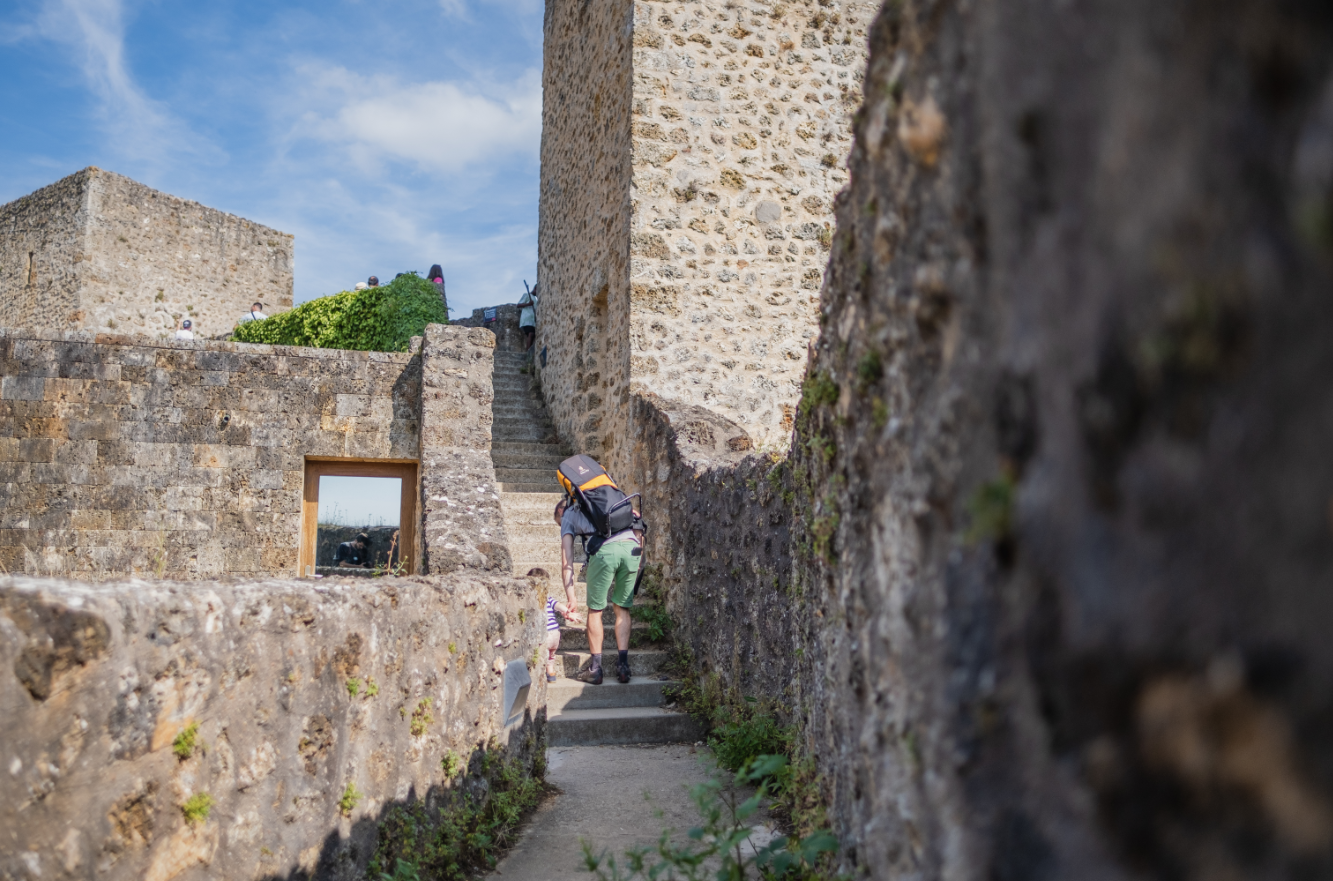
382	319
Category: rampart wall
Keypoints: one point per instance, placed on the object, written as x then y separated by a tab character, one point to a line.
583	240
122	455
690	155
1043	578
300	714
100	252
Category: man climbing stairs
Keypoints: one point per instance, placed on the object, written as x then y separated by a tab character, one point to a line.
526	453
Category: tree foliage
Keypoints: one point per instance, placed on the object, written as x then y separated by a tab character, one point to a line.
382	319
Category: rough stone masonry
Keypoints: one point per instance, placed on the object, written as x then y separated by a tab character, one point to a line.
1044	579
185	459
690	155
97	251
150	730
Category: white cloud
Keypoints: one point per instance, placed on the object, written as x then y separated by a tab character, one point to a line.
439	126
94	33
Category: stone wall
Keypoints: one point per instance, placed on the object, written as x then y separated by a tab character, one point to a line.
718	182
463	525
1058	505
120	455
315	710
583	238
742	125
98	251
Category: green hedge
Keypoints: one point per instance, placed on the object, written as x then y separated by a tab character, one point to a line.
382	319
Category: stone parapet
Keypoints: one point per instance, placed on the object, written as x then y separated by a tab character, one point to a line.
299	714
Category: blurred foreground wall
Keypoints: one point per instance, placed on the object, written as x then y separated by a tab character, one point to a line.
1047	579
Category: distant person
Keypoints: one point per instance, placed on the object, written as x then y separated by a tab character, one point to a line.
186	330
362	286
436	276
256	313
354	553
373	282
527	316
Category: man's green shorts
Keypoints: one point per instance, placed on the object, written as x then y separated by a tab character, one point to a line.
615	563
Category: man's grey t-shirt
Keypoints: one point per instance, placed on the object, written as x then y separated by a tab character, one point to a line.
574	523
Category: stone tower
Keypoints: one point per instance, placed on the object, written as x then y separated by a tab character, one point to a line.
691	152
98	251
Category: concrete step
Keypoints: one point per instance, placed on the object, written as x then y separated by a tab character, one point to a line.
621	725
641	663
570	694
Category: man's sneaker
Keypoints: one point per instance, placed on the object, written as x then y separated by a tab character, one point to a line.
622	672
592	676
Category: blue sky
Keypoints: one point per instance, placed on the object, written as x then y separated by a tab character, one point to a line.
360	501
386	135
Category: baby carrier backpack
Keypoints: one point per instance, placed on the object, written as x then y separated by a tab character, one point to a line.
605	505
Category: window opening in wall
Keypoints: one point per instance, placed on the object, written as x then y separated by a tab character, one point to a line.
359	518
30	272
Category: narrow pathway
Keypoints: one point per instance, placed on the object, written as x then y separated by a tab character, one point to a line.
616	797
526	453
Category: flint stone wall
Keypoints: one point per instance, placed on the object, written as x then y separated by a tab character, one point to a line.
120	455
96	682
97	251
687	206
1059	521
583	237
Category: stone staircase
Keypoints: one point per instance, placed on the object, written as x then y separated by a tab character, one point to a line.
526	453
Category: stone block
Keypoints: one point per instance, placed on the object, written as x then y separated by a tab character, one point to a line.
23	388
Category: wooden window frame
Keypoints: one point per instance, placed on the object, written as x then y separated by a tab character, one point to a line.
407	470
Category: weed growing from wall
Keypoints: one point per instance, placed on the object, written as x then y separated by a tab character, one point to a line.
197	808
382	319
466	834
720	847
741	729
185	743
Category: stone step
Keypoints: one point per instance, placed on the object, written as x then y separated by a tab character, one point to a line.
534	488
544	533
542	553
549	461
641	663
574	637
527	500
524	424
530	449
570	694
621	725
529	434
528	475
516	407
